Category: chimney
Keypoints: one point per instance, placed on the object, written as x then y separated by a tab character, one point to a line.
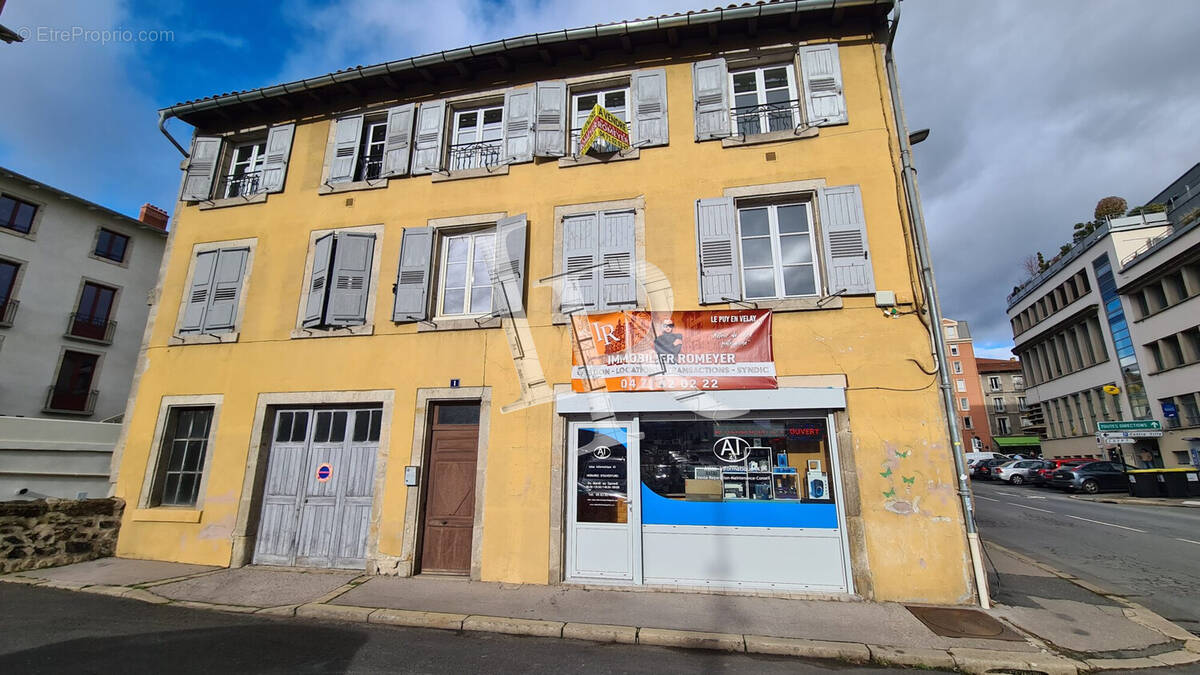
153	216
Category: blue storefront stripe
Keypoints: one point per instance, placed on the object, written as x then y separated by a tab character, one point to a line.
658	510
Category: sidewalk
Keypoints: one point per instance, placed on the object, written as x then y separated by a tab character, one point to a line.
1062	625
1138	501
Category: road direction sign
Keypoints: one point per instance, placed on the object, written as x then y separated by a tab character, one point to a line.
1129	434
1129	425
1117	440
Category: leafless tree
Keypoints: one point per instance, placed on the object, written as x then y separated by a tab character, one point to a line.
1029	265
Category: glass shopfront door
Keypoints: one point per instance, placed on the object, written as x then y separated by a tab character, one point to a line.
604	513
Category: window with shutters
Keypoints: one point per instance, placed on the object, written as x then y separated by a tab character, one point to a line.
598	267
225	171
614	99
777	249
17	215
243	174
477	138
764	100
370	154
214	292
465	273
340	279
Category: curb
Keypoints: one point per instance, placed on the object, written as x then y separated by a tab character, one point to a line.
1138	501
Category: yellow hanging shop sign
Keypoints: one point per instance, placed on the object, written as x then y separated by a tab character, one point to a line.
601	124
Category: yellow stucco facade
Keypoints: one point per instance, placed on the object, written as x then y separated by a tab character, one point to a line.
904	519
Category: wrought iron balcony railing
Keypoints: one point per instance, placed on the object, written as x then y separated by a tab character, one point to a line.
8	310
370	168
474	155
241	184
749	120
71	399
89	327
600	146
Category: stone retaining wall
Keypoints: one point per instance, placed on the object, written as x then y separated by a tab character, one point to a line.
52	532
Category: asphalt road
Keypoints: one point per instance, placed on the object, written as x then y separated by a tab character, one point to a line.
47	630
1150	554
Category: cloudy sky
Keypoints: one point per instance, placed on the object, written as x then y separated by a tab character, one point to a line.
1037	108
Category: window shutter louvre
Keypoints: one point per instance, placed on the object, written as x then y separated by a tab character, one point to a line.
518	125
710	91
279	149
314	308
618	275
579	251
717	251
427	149
844	232
201	167
351	279
822	71
399	140
197	298
226	288
346	136
412	277
649	90
508	264
550	121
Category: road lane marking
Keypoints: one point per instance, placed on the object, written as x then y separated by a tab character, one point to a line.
987	498
1188	541
1101	522
1031	508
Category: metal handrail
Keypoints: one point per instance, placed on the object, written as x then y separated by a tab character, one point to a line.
241	185
764	118
90	327
8	310
1150	243
89	400
475	155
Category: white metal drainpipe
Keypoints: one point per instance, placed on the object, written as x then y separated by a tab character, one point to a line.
920	238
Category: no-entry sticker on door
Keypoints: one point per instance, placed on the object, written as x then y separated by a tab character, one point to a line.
324	472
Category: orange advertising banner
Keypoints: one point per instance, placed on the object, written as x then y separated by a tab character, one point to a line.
673	351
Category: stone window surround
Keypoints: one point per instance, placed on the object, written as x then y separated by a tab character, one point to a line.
31	235
638	206
809	188
107	261
406	565
176	514
439	225
245	529
62	351
178	338
791	57
83	281
368	328
230	140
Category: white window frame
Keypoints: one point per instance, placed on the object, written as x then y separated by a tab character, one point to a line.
958	369
254	163
998	404
953	350
1002	426
963	403
994	382
776	249
760	91
366	142
473	236
967	423
960	384
1018	381
577	118
479	129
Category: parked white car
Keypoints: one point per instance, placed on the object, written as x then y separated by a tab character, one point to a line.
1017	472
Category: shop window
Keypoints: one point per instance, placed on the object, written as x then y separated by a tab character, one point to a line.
181	459
16	214
738	460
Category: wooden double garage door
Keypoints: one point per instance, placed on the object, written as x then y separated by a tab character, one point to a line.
317	496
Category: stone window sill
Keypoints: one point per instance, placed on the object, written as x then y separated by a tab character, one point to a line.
456	324
123	263
352	186
258	198
80	338
204	338
341	331
166	514
791	304
585	160
770	137
22	235
464	174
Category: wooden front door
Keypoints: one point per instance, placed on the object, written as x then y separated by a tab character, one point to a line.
449	516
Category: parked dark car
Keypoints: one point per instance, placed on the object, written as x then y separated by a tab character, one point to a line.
1043	475
1091	477
986	469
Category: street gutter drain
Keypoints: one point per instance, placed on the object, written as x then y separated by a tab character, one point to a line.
964	623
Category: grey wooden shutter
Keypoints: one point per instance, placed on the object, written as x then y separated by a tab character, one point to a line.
226	289
717	251
580	286
427	150
201	167
346	137
351	279
844	232
550	121
399	140
822	72
518	125
618	275
649	89
508	264
314	308
413	275
197	297
279	148
710	92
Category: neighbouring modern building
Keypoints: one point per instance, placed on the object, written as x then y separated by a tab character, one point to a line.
970	406
74	284
1182	198
590	306
1003	386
